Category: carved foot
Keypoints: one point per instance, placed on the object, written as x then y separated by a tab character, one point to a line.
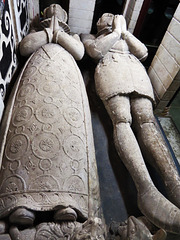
65	214
22	216
161	212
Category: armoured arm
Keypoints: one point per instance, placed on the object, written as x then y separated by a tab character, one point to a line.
136	47
98	47
71	43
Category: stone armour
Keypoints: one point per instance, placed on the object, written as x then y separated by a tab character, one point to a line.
121	73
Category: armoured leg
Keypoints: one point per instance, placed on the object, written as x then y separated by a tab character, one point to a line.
155	148
151	202
126	144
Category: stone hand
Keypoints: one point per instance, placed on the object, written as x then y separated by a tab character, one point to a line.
51	27
56	26
123	25
116	25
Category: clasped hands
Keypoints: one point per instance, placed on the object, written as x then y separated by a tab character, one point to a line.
119	25
54	28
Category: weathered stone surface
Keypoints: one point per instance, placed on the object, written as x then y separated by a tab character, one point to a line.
91	229
5	237
3	227
135	229
125	89
27	234
48	158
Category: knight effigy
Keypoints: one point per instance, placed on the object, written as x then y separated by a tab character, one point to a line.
122	83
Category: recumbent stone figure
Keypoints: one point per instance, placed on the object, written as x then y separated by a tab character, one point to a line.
124	87
47	151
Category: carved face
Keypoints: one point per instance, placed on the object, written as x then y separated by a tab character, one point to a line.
105	21
56	10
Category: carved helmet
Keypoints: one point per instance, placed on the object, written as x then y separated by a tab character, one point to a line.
105	21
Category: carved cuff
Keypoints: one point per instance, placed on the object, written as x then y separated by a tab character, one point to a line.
98	52
49	34
117	33
125	35
56	35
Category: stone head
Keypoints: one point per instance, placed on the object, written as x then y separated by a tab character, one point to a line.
105	21
55	10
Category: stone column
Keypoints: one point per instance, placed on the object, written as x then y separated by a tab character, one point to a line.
81	15
33	6
131	13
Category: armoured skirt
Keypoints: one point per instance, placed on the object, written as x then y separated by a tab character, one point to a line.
47	150
122	74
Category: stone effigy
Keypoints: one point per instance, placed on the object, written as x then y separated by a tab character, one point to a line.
124	87
47	151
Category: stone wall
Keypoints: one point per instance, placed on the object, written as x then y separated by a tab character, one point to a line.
164	69
81	15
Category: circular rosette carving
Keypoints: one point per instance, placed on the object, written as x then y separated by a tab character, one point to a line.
22	115
49	68
45	164
30	71
13	183
37	58
75	165
49	87
16	147
7	202
74	147
75	184
48	113
14	165
26	92
44	182
46	145
73	116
